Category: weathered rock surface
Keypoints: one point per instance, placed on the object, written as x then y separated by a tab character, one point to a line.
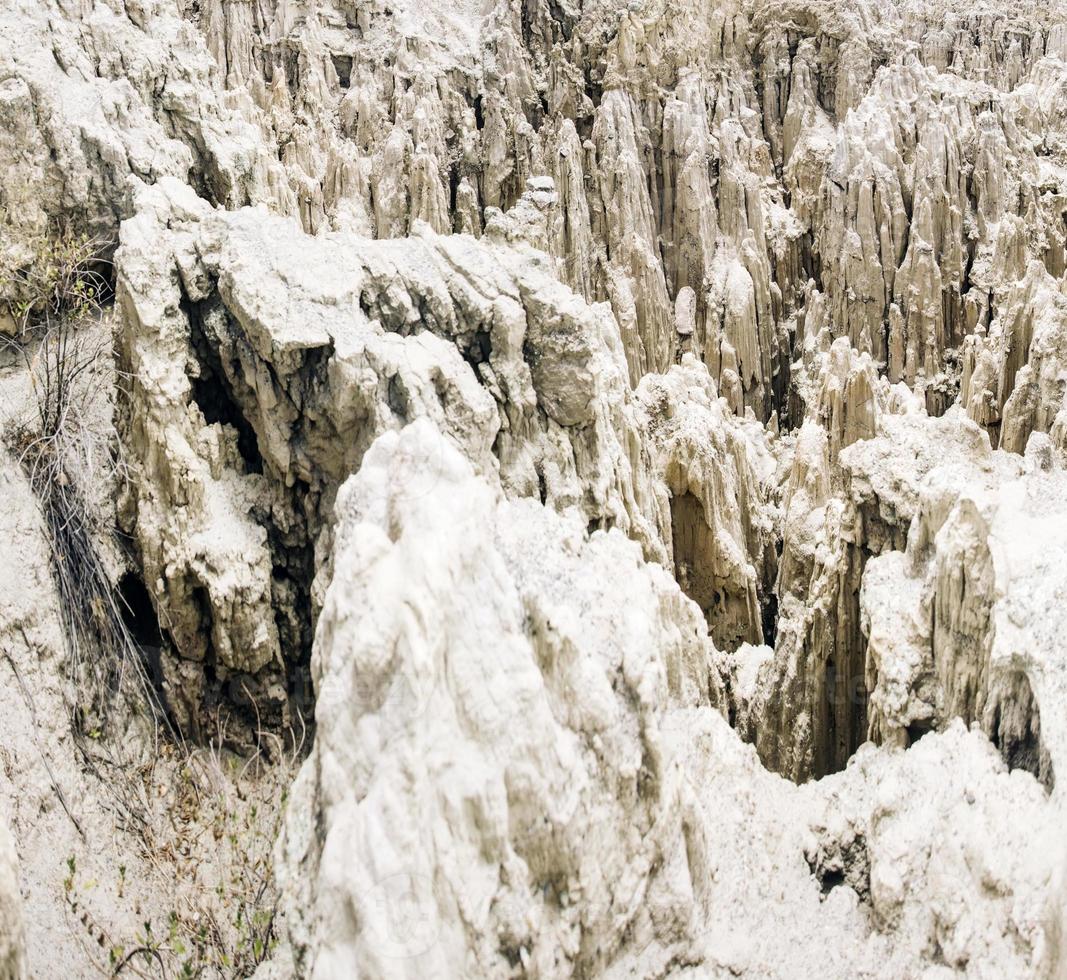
556	392
886	501
718	473
1013	378
976	586
754	163
807	713
256	390
620	829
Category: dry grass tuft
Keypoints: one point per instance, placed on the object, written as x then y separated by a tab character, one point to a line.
70	371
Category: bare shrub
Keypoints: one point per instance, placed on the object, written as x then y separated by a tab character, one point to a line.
220	828
66	456
190	811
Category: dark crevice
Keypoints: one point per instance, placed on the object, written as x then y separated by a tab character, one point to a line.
396	397
696	568
479	350
843	861
1015	730
203	692
138	612
770	619
211	390
342	65
453	191
830	880
140	618
917	729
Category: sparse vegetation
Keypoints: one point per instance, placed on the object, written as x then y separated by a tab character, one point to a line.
61	281
195	815
66	454
221	827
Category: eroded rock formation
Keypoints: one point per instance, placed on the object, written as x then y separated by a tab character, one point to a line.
963	585
559	396
621	828
868	165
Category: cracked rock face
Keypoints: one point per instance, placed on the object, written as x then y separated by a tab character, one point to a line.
257	392
631	437
964	582
885	171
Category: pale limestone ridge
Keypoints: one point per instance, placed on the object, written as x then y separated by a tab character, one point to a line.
262	387
968	582
621	827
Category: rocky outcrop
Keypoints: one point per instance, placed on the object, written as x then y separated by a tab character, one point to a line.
94	93
893	532
623	828
719	472
548	389
574	771
807	714
861	163
1013	377
873	475
974	588
255	392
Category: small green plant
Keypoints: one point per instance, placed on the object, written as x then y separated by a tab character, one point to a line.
61	280
68	882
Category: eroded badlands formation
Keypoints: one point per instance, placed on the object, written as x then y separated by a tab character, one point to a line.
641	427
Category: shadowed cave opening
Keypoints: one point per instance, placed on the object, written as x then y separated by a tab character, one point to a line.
342	65
841	713
1016	731
138	612
140	618
210	388
698	566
